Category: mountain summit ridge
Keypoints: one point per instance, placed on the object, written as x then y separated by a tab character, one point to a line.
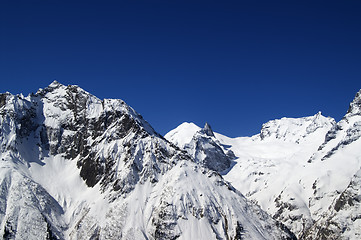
305	172
77	167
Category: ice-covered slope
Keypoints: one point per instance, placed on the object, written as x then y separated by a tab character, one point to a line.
77	167
296	168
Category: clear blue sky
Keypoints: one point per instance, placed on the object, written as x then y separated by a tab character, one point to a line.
235	64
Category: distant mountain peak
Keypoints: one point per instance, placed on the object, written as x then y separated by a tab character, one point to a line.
295	129
55	83
52	86
319	114
208	130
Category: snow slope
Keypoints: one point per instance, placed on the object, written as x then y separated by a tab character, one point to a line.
297	168
183	134
77	167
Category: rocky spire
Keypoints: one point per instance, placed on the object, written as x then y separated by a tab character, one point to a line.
355	105
208	130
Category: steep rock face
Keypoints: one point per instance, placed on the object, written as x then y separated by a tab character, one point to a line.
207	130
355	105
77	167
81	126
203	146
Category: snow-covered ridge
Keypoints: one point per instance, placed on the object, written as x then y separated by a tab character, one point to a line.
77	167
294	129
299	170
76	101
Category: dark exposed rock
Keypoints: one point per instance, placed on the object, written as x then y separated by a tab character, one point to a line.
164	222
9	232
215	158
291	235
207	151
3	97
239	232
207	130
90	171
50	235
355	105
348	198
27	123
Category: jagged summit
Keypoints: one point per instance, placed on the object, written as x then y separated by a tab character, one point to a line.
51	87
355	105
208	130
55	83
201	144
295	129
76	167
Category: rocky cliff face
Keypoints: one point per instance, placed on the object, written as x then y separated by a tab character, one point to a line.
77	167
204	147
206	150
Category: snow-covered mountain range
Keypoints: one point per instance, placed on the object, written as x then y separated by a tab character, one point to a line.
73	166
305	172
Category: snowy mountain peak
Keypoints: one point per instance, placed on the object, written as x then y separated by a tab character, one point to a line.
355	105
202	145
52	86
182	134
318	115
76	167
55	83
295	129
208	130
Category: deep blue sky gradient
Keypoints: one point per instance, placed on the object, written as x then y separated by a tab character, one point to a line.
235	64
